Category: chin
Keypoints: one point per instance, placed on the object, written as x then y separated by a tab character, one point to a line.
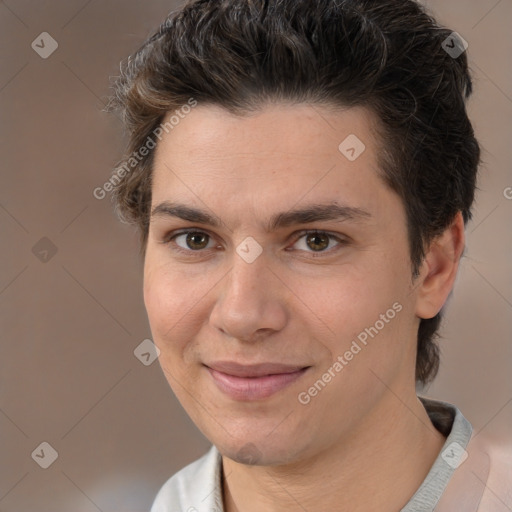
259	450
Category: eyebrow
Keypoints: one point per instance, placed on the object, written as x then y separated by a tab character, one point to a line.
306	215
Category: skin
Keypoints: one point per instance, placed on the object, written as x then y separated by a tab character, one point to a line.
295	304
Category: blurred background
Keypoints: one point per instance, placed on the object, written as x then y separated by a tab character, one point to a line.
72	314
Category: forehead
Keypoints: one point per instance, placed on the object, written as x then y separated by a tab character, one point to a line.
273	157
291	129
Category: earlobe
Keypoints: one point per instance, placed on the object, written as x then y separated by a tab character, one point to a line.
439	269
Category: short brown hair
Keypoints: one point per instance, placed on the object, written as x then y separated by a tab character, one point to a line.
389	56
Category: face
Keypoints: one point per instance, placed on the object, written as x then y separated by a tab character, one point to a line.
277	278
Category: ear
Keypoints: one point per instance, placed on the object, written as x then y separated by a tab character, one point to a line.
439	269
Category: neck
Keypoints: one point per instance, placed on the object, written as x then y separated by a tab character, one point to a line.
391	454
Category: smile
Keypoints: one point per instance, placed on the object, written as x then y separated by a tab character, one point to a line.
253	382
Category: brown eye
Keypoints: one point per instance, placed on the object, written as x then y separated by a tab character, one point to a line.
196	240
191	241
317	241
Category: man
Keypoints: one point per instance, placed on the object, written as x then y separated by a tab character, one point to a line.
301	173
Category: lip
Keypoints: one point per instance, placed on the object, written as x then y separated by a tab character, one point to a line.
253	382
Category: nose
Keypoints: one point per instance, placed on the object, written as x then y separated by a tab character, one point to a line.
250	302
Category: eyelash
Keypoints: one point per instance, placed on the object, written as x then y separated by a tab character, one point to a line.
170	240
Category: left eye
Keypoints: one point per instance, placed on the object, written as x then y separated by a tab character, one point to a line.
316	241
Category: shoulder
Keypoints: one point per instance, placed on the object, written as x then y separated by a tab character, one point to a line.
194	488
497	495
478	467
482	481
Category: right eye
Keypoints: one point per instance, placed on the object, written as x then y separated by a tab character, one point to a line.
191	241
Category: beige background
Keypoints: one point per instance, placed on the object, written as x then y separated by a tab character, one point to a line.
70	325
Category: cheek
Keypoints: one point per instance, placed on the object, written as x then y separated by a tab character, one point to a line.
349	302
174	307
365	304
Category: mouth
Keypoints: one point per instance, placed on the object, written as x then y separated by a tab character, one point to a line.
253	382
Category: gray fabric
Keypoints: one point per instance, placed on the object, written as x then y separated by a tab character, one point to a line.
198	487
449	421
